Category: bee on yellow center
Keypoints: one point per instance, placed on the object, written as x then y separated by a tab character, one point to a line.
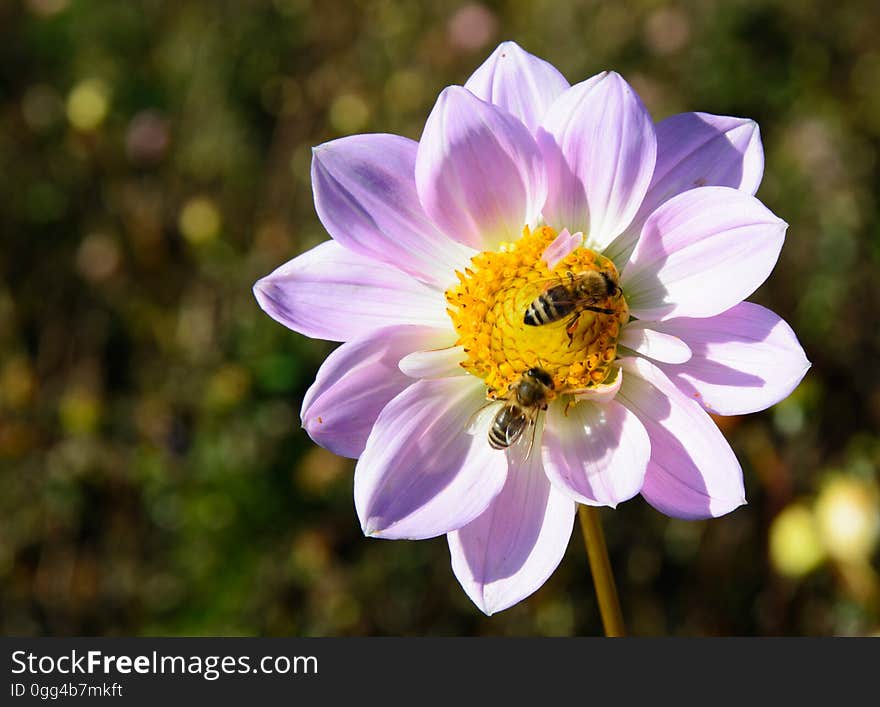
513	314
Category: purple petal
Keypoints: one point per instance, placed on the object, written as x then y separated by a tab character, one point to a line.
562	245
510	550
597	453
701	149
692	473
421	474
599	145
356	381
440	362
478	171
365	195
520	83
744	360
329	292
642	338
695	150
701	253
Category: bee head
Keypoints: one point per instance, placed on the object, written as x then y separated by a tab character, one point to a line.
610	285
540	375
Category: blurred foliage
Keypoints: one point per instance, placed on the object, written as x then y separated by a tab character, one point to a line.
153	475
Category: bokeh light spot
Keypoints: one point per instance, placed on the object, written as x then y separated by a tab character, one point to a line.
849	517
795	544
88	104
349	113
200	220
97	257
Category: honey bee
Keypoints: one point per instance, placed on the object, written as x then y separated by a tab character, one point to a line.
525	399
572	296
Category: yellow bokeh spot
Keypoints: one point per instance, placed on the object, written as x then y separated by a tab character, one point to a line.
228	386
849	518
309	552
200	220
17	382
80	411
488	304
87	104
319	470
795	543
405	89
349	113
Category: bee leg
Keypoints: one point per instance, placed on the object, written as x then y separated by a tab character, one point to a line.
600	310
571	327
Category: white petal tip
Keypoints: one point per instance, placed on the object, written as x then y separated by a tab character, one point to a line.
509	44
388	532
490	608
449	91
259	288
371	531
310	421
479	600
728	508
265	292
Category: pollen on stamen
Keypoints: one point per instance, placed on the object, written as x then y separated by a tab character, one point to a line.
488	305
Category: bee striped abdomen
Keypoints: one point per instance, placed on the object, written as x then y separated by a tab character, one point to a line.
549	307
507	427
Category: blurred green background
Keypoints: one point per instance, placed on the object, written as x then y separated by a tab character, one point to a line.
155	162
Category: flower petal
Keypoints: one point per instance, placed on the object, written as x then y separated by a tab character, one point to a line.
701	253
479	172
701	149
599	145
435	363
510	550
355	382
693	472
520	83
603	392
596	453
421	474
695	150
329	292
561	246
365	195
744	360
654	344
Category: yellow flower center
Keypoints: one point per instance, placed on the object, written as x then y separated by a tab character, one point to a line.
488	307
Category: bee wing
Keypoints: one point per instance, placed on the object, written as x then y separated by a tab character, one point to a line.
479	422
570	299
580	302
551	282
518	454
563	280
547	282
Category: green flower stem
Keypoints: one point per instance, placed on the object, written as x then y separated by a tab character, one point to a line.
600	566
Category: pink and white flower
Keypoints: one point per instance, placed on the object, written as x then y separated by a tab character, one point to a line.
671	205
